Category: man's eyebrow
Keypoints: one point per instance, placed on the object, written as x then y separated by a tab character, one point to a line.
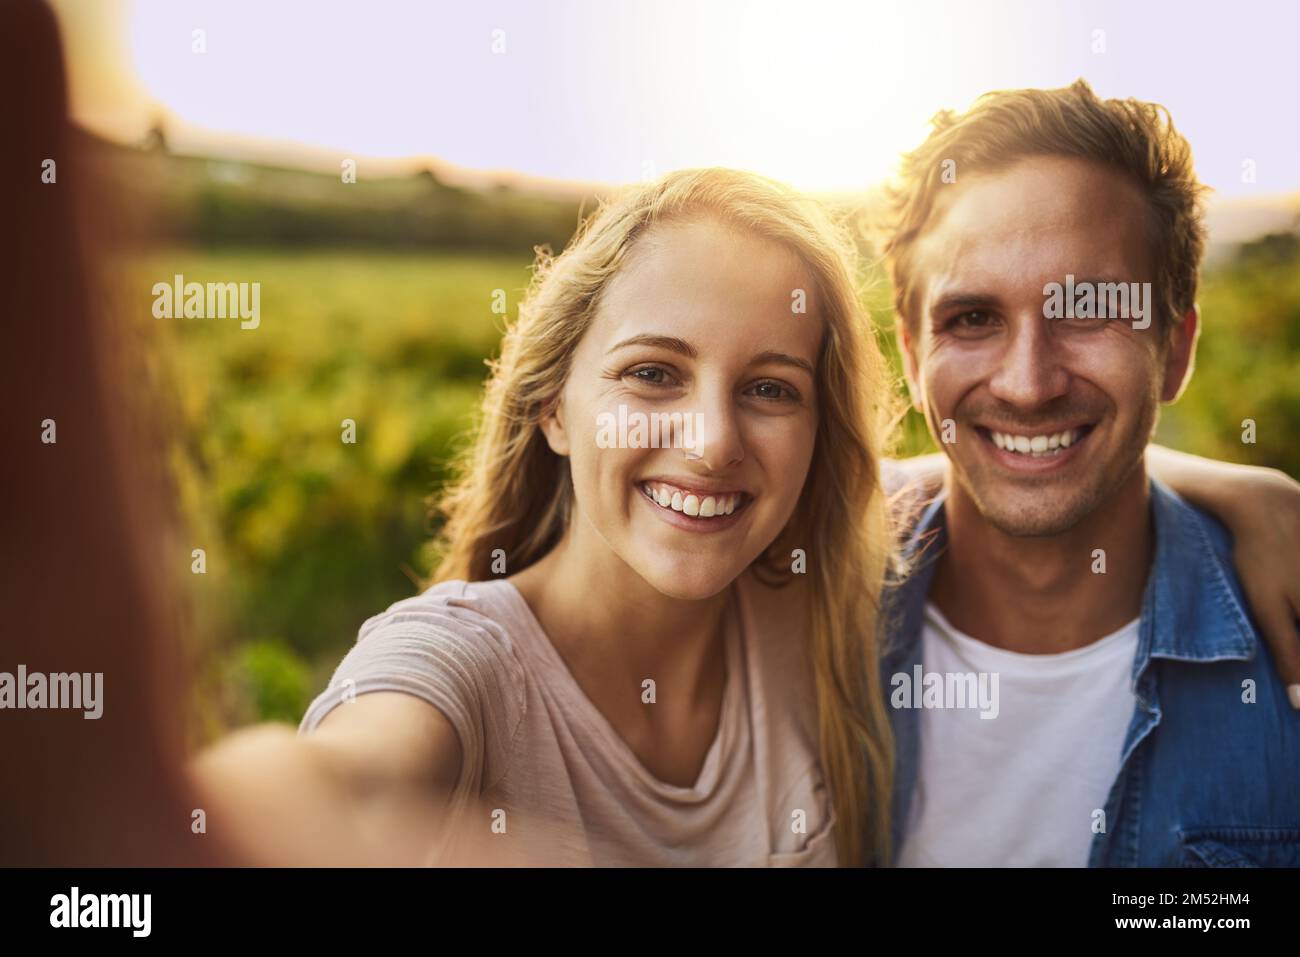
671	343
1097	281
963	300
784	358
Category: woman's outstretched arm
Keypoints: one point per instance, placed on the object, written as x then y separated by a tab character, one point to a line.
369	786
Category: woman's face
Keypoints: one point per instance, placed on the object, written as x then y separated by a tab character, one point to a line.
690	411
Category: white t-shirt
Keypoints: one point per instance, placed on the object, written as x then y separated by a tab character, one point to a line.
1023	786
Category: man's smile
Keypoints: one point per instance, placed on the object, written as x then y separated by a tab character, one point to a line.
1036	451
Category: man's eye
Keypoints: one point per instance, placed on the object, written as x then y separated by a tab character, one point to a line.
1086	320
974	319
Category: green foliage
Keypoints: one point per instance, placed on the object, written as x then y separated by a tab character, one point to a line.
273	680
307	535
912	436
1248	363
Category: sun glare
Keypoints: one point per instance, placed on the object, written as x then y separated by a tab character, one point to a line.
811	93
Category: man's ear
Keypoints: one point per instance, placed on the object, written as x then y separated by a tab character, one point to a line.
557	436
910	368
1180	355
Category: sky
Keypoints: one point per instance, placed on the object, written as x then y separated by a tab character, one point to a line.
824	94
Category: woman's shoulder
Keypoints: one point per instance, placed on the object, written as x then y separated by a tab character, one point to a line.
453	646
469	632
471	610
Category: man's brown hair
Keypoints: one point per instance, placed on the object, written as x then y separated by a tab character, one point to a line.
1005	126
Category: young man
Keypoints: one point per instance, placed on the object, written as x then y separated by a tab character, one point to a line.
1076	679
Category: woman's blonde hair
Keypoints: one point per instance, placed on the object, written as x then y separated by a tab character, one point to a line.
515	494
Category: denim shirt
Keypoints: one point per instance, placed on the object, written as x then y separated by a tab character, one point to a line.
1205	778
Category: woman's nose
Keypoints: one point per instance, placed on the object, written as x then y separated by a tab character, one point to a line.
714	438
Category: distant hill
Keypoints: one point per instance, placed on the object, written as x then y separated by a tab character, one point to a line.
1233	222
171	198
161	197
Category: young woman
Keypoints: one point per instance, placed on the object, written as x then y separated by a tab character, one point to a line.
629	669
632	655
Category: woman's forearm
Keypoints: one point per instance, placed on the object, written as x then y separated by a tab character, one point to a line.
281	799
1212	485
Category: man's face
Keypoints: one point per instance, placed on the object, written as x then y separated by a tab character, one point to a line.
1051	415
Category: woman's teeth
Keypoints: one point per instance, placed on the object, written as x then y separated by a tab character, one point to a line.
1035	446
688	503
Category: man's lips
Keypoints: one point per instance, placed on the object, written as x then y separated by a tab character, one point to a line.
1037	451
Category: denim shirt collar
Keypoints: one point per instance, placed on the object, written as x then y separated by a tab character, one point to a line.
1191	611
1190	598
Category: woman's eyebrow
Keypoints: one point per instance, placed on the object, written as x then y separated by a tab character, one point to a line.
784	358
671	343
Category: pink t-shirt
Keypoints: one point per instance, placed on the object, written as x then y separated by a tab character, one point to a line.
533	741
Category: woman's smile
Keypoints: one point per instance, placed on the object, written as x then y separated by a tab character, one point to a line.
695	509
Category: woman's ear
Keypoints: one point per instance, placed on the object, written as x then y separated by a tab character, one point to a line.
557	436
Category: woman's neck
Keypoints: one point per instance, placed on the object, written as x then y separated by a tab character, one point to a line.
609	624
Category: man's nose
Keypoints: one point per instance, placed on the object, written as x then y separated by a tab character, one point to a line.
1030	372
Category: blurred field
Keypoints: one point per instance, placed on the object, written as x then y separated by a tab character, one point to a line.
307	536
1248	363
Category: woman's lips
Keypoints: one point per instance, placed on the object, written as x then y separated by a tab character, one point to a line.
691	501
692	509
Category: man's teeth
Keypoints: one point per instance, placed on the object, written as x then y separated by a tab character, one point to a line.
1036	446
708	506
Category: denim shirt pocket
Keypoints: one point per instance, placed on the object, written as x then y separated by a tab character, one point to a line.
1240	846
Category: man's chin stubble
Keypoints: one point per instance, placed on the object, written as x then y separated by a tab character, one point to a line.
1036	522
1038	518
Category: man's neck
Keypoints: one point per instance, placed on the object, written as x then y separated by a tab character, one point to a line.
1048	594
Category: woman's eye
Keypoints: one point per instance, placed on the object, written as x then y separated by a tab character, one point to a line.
652	375
774	390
